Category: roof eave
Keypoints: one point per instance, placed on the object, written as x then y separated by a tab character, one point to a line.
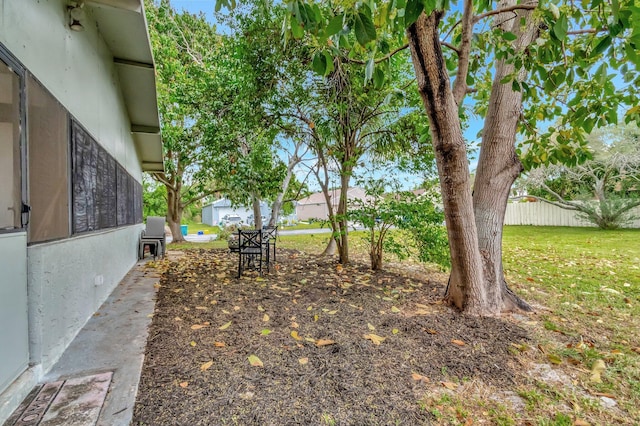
123	26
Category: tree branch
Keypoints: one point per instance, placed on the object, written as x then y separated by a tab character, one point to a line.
526	6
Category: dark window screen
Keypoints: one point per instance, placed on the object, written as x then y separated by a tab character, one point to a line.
48	165
104	194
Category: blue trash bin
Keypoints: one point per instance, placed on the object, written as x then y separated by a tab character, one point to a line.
184	229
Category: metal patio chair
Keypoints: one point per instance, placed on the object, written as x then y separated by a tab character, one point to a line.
154	237
251	251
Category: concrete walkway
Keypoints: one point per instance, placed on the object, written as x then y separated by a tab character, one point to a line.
112	341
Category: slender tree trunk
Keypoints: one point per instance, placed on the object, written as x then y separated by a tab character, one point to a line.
257	212
174	213
466	285
330	249
498	168
343	247
277	203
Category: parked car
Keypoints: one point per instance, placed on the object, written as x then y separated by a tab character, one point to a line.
251	222
230	220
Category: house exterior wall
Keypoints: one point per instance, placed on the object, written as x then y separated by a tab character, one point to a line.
312	211
207	215
76	67
213	213
69	279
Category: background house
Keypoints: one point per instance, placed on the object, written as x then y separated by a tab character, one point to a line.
78	126
315	207
213	213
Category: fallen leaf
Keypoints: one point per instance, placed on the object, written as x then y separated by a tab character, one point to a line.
432	331
265	318
332	312
178	319
371	327
294	334
265	332
310	339
596	370
219	344
202	308
255	361
608	395
294	325
419	377
206	366
421	306
636	350
554	359
324	342
260	308
458	342
580	422
184	384
303	361
236	308
225	326
395	310
197	326
450	385
395	331
374	338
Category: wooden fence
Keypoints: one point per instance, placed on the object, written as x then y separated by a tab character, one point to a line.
543	214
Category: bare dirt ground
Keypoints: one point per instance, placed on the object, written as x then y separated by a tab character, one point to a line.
312	343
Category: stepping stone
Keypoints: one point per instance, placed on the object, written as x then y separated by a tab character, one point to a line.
73	402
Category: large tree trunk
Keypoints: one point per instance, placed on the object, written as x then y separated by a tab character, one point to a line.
499	166
174	213
466	288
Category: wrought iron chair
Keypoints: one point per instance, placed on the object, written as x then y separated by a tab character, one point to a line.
154	237
269	236
251	251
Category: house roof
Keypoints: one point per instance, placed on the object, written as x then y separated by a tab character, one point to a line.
225	202
318	197
123	26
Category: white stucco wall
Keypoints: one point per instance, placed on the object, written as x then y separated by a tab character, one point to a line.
68	280
76	67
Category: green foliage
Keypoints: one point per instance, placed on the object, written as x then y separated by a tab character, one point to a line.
380	212
154	198
185	47
603	190
425	221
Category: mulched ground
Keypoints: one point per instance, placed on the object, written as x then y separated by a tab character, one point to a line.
313	326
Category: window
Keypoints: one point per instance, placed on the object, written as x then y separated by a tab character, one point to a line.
10	154
104	194
48	165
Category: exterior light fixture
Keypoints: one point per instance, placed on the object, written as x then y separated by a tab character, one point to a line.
76	15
